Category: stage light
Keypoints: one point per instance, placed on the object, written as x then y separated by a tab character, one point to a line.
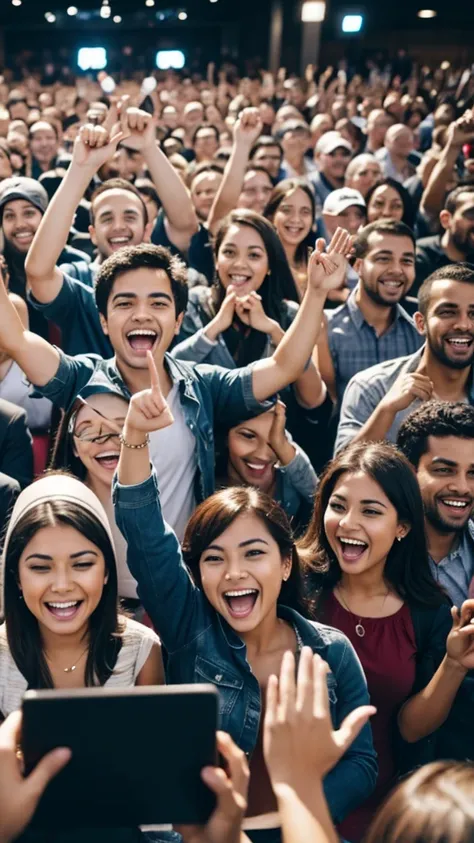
50	17
72	10
427	13
105	12
183	16
169	59
117	19
352	23
149	2
92	58
313	11
212	1
16	2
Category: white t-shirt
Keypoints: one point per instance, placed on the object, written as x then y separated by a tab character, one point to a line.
137	641
174	455
15	388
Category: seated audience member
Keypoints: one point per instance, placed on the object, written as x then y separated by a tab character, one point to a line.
6	166
397	157
44	146
149	194
16	454
119	218
456	243
446	166
438	440
362	173
343	207
372	325
245	583
23	203
59	571
320	124
378	123
292	208
388	199
267	152
377	400
366	553
332	154
205	143
141	294
295	138
260	453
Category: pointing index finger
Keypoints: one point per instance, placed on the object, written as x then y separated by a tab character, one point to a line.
154	379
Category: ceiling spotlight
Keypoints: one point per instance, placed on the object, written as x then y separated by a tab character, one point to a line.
105	11
117	19
16	2
50	17
212	1
427	13
72	10
183	16
149	2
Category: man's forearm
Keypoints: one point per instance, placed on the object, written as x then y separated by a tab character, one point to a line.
173	194
53	232
231	186
435	192
376	426
34	355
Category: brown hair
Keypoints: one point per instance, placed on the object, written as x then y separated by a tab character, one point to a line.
434	805
218	512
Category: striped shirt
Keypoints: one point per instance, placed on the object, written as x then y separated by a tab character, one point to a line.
355	346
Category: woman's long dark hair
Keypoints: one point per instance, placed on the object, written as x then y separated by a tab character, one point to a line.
62	454
279	193
409	211
407	568
23	634
279	284
218	512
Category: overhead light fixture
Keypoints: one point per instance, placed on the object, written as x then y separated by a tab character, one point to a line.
427	13
212	1
352	23
313	11
16	2
92	58
149	2
72	10
105	11
117	19
183	16
169	59
50	17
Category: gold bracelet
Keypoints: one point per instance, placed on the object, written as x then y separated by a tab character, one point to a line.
134	447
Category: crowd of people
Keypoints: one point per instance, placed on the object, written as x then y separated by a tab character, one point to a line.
237	433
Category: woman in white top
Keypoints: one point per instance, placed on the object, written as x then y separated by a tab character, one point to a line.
62	628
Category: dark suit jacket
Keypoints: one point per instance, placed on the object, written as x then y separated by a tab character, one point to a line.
16	449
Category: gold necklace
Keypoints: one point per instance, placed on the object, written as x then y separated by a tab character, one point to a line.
359	627
73	667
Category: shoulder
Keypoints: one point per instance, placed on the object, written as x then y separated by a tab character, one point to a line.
428	244
337	316
11	413
380	373
135	634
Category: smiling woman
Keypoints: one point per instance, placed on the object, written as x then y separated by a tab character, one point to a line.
62	629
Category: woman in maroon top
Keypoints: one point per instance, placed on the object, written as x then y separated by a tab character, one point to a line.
366	552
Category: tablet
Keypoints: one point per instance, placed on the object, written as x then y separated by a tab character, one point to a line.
136	759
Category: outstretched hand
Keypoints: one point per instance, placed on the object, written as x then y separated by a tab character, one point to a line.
148	409
327	269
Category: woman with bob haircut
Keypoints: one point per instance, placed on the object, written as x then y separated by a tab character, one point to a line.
229	604
62	629
366	554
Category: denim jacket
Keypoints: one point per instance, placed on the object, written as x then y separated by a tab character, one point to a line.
202	647
296	482
208	394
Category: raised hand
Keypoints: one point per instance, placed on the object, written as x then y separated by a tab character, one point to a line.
460	641
327	269
148	409
224	824
140	127
94	145
19	796
277	439
462	130
248	127
299	741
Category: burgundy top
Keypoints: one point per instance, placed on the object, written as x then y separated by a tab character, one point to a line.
387	653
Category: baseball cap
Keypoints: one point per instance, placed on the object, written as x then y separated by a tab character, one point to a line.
343	198
21	187
331	141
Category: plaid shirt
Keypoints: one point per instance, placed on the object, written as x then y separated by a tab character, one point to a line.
354	345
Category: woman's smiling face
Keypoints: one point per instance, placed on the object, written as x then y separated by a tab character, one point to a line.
242	259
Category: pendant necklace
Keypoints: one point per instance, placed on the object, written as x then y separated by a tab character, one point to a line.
359	627
73	666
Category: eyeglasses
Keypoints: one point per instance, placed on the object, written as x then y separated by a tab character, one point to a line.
91	434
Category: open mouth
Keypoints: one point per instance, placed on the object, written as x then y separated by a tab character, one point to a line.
142	340
294	230
239	280
457	506
241	602
119	242
64	611
257	469
460	344
352	549
23	236
391	285
108	460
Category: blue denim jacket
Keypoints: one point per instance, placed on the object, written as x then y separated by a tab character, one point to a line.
208	394
202	647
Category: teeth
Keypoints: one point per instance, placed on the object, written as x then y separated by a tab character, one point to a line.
458	504
392	283
107	455
239	279
63	605
460	341
240	593
353	541
119	239
141	333
256	467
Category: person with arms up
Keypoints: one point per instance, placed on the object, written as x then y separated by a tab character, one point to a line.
455	243
377	400
372	325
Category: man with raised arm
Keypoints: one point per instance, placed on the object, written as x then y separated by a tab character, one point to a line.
141	295
119	219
